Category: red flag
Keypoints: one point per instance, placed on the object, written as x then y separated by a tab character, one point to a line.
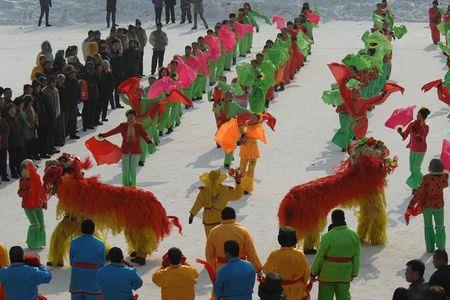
442	91
174	96
400	117
431	85
209	269
413	212
104	152
130	88
445	155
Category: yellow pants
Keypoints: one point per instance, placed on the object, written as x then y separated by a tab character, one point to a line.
248	168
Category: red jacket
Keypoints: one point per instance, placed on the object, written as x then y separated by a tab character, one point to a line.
133	147
28	201
435	16
431	191
418	132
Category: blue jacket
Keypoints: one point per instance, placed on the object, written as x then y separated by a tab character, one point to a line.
21	281
157	3
118	281
87	256
235	280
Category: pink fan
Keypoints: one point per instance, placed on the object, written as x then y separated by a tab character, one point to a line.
203	64
213	52
192	61
280	21
445	155
242	29
227	38
160	86
186	75
313	18
400	117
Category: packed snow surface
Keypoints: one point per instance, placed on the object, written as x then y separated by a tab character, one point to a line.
298	151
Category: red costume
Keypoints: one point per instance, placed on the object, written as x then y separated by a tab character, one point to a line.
132	146
435	19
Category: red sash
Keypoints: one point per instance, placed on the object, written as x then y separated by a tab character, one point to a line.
85	266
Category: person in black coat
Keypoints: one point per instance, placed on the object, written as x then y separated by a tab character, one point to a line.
106	87
46	122
131	59
111	12
90	107
45	8
71	97
442	275
170	10
117	68
16	140
4	137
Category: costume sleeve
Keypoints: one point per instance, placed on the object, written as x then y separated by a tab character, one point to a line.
252	256
23	190
114	131
103	254
210	250
143	134
407	131
40	275
320	256
199	203
305	267
234	194
136	281
158	277
357	257
420	193
268	266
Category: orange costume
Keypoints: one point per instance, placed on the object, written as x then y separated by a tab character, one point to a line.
249	154
176	283
292	267
230	230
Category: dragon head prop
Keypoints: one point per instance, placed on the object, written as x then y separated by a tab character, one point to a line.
370	147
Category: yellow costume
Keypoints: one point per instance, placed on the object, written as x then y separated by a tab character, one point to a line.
176	283
292	267
249	153
214	197
230	230
4	262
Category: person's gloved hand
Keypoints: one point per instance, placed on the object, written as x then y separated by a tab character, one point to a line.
191	219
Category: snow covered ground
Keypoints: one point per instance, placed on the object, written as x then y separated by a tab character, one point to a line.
300	150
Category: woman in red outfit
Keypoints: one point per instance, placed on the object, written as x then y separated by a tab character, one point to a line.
435	19
131	132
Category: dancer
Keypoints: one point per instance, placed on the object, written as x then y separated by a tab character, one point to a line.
249	153
418	132
429	198
435	19
131	132
33	203
214	197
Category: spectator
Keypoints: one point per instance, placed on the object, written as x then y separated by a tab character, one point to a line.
236	277
46	50
158	40
27	90
39	68
16	140
178	280
45	9
185	6
436	293
113	36
272	288
131	59
117	69
60	134
7	96
71	97
417	289
142	38
103	49
198	10
225	231
32	149
106	86
59	63
87	256
442	275
338	259
122	36
116	280
46	124
111	13
52	95
21	281
90	107
170	10
84	44
290	264
400	294
4	137
158	4
131	34
24	125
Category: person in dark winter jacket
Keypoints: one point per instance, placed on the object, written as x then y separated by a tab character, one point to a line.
158	40
90	106
142	37
52	94
46	124
103	49
32	146
131	60
45	9
106	87
198	11
442	275
117	68
60	135
58	63
111	12
71	97
170	10
4	137
185	6
16	140
25	127
271	288
417	289
158	4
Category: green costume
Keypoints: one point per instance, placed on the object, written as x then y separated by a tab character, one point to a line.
336	263
36	238
434	236
415	164
129	167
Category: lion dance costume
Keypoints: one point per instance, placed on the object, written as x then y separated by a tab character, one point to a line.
306	206
135	212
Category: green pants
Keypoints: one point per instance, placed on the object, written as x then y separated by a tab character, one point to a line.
129	166
147	149
328	291
212	71
434	236
36	238
344	135
165	118
228	59
228	158
199	86
257	100
220	65
415	164
154	131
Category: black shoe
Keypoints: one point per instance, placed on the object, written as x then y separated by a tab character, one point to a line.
241	55
227	70
170	130
176	125
6	179
119	106
193	28
45	156
218	146
53	151
48	25
91	128
141	164
190	22
212	83
234	61
187	106
182	22
139	261
74	137
115	25
161	133
105	120
246	193
15	176
310	251
59	145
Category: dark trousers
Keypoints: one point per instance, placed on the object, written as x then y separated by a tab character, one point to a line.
44	10
32	148
111	14
105	100
16	157
86	114
186	12
158	13
170	14
141	62
116	96
157	59
3	156
70	120
60	135
44	140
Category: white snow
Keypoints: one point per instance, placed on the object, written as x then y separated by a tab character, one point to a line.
299	151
